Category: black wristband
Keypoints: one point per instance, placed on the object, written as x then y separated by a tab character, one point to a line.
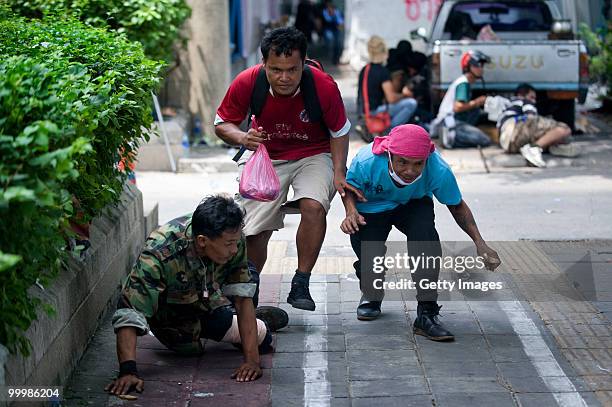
128	367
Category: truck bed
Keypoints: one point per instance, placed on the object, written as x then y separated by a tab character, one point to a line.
546	64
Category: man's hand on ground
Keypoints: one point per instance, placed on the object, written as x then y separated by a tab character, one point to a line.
247	372
124	384
490	256
252	138
342	187
351	223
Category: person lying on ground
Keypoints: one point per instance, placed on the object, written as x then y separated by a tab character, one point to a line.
522	130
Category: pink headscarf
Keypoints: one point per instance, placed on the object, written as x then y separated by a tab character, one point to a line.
407	140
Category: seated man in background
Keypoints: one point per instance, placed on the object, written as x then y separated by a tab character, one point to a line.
522	130
459	113
189	277
381	95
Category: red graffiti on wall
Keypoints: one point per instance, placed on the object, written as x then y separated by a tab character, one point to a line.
415	9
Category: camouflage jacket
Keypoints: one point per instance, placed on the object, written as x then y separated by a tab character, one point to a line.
168	280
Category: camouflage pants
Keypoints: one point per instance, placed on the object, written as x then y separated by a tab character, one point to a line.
529	130
184	335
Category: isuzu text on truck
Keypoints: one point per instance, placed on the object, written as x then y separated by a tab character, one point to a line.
527	41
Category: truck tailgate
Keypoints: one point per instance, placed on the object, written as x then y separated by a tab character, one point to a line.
551	65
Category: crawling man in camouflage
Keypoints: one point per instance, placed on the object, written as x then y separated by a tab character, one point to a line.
190	279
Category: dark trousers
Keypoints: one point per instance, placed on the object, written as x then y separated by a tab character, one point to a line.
414	219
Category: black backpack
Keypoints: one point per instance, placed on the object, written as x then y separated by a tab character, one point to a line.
261	90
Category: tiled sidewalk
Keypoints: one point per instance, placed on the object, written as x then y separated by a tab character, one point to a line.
508	351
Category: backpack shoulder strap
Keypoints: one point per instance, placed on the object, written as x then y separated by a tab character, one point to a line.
260	93
311	99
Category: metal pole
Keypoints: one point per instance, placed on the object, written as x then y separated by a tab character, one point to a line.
162	127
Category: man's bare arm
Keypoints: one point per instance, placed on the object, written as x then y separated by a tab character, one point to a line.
461	106
247	325
126	352
339	151
126	343
464	218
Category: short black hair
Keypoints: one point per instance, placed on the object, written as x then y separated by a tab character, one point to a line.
283	41
523	89
216	214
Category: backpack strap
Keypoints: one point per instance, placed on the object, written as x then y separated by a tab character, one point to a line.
258	100
311	99
364	91
260	93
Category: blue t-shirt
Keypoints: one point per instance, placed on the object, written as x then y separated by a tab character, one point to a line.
370	173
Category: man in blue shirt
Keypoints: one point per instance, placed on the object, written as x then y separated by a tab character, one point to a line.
398	175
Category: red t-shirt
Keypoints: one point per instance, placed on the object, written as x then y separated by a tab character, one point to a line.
290	136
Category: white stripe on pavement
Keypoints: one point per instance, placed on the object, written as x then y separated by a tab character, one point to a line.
317	390
541	357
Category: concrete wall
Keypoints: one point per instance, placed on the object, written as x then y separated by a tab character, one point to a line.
201	80
81	294
153	155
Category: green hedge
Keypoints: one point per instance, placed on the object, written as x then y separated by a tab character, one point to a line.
155	24
599	44
72	99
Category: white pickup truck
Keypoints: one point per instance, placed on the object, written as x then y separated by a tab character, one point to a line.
531	43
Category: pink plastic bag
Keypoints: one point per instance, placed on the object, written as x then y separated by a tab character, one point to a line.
259	180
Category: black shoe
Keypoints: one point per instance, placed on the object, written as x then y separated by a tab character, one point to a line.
368	310
299	297
428	324
266	345
275	318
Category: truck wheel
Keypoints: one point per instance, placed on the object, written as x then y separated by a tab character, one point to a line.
565	112
561	110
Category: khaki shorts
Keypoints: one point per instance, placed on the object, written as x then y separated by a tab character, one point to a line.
527	132
310	177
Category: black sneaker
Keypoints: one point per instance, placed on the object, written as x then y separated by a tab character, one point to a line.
428	325
299	297
275	318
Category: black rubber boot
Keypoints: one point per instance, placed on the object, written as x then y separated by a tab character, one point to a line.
428	325
275	318
368	310
299	296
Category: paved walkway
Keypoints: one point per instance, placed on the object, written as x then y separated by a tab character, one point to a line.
545	340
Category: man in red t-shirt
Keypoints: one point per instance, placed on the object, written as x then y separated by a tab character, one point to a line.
305	155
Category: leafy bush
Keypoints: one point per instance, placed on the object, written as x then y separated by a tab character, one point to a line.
73	101
599	44
155	24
